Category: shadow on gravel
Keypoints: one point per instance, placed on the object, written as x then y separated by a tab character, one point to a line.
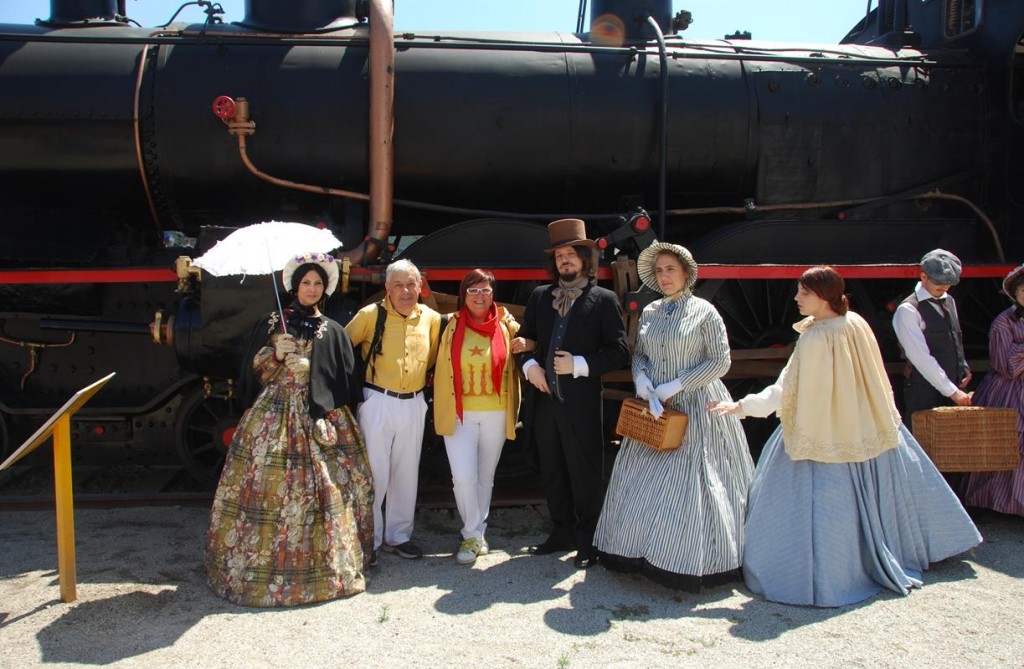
6	620
1003	548
761	620
604	598
108	630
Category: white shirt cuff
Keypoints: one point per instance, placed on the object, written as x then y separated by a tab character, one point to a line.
527	365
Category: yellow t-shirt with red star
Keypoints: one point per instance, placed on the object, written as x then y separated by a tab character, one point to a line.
478	393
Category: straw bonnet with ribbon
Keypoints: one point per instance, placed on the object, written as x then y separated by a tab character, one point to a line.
645	264
568	232
1015	276
325	261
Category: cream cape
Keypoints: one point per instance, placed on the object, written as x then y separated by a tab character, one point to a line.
837	404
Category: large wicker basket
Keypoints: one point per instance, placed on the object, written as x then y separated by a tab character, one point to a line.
662	434
969	439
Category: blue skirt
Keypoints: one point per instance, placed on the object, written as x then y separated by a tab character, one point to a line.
835	534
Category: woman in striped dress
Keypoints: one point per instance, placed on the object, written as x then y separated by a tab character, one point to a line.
844	502
1003	386
677	516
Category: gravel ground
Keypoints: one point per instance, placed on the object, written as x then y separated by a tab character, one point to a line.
143	602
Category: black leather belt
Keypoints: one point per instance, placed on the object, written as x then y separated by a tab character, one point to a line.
392	393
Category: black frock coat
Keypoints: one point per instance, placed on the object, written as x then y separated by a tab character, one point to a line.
569	436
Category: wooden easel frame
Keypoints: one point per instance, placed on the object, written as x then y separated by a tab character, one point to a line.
59	426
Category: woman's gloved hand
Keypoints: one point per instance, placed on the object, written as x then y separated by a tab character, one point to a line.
283	345
296	364
655	406
325	433
644	387
666	390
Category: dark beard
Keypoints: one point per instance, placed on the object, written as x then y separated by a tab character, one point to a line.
569	275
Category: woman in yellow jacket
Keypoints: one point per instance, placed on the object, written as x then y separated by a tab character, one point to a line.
476	401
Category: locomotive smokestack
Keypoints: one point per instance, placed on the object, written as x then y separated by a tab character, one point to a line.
300	16
610	19
81	11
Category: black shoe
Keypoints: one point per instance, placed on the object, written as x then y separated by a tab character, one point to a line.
374	558
408	550
585	559
550	546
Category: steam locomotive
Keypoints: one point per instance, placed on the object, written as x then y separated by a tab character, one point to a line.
126	151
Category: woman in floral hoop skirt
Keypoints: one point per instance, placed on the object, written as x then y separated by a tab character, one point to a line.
292	520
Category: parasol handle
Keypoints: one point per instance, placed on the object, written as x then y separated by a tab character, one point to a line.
277	295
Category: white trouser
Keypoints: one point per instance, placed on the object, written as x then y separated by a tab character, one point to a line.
473	453
393	430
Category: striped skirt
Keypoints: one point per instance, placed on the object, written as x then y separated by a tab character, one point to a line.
1000	491
835	534
680	511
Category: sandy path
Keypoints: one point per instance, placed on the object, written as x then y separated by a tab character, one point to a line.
143	602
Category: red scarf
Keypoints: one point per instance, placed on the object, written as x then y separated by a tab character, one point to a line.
499	355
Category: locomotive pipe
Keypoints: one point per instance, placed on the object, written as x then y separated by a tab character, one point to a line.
137	130
176	38
662	125
93	326
381	131
382	126
241	126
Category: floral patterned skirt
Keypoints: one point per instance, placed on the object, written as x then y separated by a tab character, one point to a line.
292	521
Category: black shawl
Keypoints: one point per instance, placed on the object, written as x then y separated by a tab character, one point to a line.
332	379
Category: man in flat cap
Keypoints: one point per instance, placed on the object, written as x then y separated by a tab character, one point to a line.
928	330
579	335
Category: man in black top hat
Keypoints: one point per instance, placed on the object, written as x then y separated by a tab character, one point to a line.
579	335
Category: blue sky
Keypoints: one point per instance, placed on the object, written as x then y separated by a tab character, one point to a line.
824	21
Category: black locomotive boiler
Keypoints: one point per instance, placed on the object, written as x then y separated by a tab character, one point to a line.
125	151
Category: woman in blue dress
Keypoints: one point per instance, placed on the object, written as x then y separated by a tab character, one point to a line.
844	502
677	516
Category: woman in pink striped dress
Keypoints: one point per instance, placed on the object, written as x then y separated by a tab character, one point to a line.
1003	386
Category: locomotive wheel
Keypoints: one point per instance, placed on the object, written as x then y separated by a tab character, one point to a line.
758	314
203	433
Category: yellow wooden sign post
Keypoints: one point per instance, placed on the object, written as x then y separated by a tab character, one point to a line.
59	425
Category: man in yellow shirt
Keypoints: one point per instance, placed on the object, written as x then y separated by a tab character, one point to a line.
393	410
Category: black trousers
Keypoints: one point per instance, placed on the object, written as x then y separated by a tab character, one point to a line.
570	446
919	395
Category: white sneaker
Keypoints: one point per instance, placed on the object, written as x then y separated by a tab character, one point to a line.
468	550
484	548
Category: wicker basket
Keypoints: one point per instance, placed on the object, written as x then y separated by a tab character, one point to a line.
969	439
662	434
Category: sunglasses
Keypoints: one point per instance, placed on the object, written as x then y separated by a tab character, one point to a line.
479	291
